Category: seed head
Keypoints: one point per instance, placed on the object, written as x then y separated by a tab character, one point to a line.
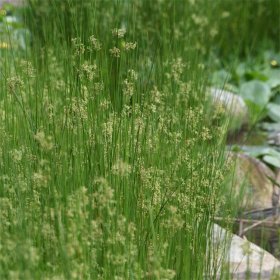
119	33
116	52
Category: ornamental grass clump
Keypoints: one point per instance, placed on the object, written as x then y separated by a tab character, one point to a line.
112	162
106	184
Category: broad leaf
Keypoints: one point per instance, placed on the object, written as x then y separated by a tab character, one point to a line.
258	151
255	75
220	78
270	126
256	91
272	160
256	111
274	111
276	99
274	77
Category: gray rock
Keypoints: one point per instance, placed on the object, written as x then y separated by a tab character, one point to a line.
255	188
234	106
274	138
243	259
252	182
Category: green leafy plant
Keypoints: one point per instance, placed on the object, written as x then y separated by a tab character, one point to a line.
257	83
267	154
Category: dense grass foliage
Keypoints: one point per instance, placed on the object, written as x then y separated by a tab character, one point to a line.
227	28
112	162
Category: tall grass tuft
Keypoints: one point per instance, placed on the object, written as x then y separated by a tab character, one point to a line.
112	162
